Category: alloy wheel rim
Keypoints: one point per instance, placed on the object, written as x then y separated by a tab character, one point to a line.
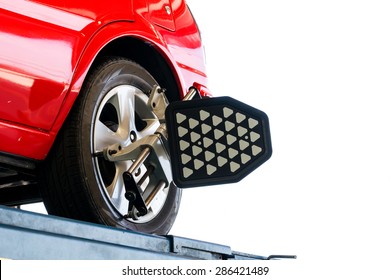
123	117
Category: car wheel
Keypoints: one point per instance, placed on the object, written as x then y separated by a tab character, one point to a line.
77	181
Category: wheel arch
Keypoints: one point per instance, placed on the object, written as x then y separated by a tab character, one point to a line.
148	56
128	40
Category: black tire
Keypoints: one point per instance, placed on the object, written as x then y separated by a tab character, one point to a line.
77	184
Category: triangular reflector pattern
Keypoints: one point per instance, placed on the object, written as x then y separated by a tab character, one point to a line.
215	140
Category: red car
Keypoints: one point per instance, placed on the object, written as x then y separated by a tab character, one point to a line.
82	85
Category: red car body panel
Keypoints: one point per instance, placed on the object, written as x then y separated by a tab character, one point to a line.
47	48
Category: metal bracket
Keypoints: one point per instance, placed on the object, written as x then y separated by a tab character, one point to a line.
134	196
158	102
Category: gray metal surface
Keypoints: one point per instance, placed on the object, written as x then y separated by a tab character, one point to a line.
27	235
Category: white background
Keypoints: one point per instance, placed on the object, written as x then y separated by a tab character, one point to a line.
320	70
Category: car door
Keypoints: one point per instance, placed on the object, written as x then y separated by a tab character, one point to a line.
37	46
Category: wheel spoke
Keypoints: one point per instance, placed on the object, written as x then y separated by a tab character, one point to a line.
104	136
115	186
126	110
150	128
116	189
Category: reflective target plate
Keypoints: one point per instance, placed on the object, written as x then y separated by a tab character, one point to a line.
216	141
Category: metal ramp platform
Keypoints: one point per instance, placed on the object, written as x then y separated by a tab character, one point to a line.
27	235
